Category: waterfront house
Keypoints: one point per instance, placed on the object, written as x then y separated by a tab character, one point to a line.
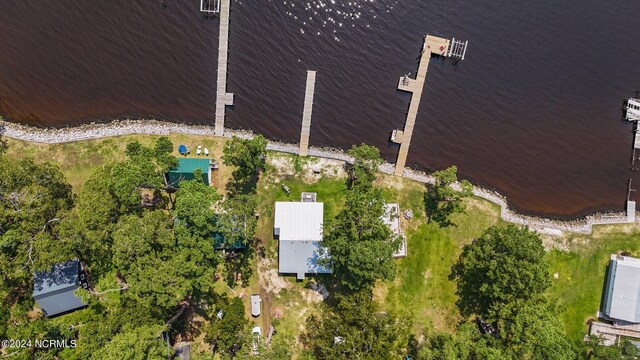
54	290
620	308
298	229
186	170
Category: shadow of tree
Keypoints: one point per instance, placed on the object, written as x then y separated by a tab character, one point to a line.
240	263
437	210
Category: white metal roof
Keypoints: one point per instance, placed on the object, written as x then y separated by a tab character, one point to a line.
255	305
301	221
623	302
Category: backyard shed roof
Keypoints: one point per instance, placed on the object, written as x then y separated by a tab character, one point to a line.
255	305
622	292
186	168
54	290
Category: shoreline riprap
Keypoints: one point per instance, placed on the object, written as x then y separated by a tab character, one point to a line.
155	127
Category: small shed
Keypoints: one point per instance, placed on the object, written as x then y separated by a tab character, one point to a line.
54	290
256	304
186	169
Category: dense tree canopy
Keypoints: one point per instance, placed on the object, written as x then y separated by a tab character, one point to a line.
32	197
248	158
531	330
140	343
194	207
505	265
229	334
355	329
146	263
466	343
361	245
442	200
366	161
237	220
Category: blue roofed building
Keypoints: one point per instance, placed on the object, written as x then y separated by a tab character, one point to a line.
54	290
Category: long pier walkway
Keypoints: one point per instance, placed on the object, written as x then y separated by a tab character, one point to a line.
306	114
223	98
432	45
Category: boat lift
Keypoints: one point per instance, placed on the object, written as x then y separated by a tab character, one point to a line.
632	110
209	7
457	48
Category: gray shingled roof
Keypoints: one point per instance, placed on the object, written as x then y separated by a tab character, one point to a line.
54	290
622	293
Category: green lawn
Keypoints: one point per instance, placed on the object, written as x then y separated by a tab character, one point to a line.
78	159
422	289
581	272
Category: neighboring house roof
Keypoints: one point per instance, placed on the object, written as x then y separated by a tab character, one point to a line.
186	168
299	220
298	226
622	292
54	290
391	218
255	305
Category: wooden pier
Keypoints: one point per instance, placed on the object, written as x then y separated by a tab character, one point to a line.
223	98
306	114
432	46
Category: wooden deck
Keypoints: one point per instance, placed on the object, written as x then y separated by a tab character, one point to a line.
432	46
222	97
306	114
611	333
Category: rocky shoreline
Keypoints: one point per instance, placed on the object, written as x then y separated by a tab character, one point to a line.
155	127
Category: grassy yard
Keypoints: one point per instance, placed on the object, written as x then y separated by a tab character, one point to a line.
287	302
581	272
79	159
421	290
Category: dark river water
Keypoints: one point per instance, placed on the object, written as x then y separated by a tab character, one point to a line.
534	111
